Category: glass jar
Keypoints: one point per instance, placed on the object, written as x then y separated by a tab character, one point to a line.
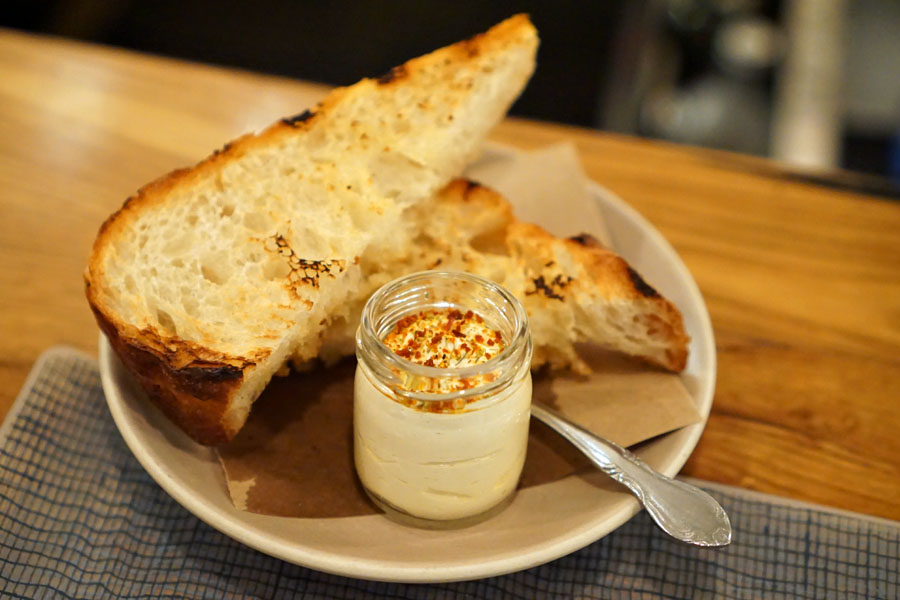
445	456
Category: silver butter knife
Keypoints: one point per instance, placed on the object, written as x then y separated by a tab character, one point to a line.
684	511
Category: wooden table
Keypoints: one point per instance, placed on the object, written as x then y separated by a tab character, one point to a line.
802	281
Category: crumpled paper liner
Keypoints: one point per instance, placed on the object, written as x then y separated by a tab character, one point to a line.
294	457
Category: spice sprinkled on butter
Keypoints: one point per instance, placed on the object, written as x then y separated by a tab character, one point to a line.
448	440
445	339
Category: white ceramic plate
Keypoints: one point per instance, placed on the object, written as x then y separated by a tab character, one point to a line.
541	524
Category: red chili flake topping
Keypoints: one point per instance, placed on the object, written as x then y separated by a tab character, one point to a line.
444	339
421	337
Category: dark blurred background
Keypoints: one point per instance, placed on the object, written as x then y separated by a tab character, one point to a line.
815	83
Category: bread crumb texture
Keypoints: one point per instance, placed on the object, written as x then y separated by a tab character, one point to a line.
248	257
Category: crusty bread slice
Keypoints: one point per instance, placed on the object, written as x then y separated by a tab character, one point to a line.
208	279
574	290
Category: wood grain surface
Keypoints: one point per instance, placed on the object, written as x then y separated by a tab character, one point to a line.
802	281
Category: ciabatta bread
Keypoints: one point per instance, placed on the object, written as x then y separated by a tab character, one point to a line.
574	290
207	280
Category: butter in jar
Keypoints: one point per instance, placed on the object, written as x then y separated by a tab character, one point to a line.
442	396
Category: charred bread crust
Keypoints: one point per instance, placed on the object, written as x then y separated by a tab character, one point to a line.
189	384
602	263
609	275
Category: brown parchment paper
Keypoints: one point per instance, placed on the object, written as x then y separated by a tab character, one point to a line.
294	457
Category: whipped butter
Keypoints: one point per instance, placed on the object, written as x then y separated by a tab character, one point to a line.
442	397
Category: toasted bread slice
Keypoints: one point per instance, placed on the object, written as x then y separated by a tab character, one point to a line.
207	280
574	290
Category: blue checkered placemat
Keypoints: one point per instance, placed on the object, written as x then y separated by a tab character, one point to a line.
79	518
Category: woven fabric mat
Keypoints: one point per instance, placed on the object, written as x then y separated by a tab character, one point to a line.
79	518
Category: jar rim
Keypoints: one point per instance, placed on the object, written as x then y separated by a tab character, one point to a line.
372	349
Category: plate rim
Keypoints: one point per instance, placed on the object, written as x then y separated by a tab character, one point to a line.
246	532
